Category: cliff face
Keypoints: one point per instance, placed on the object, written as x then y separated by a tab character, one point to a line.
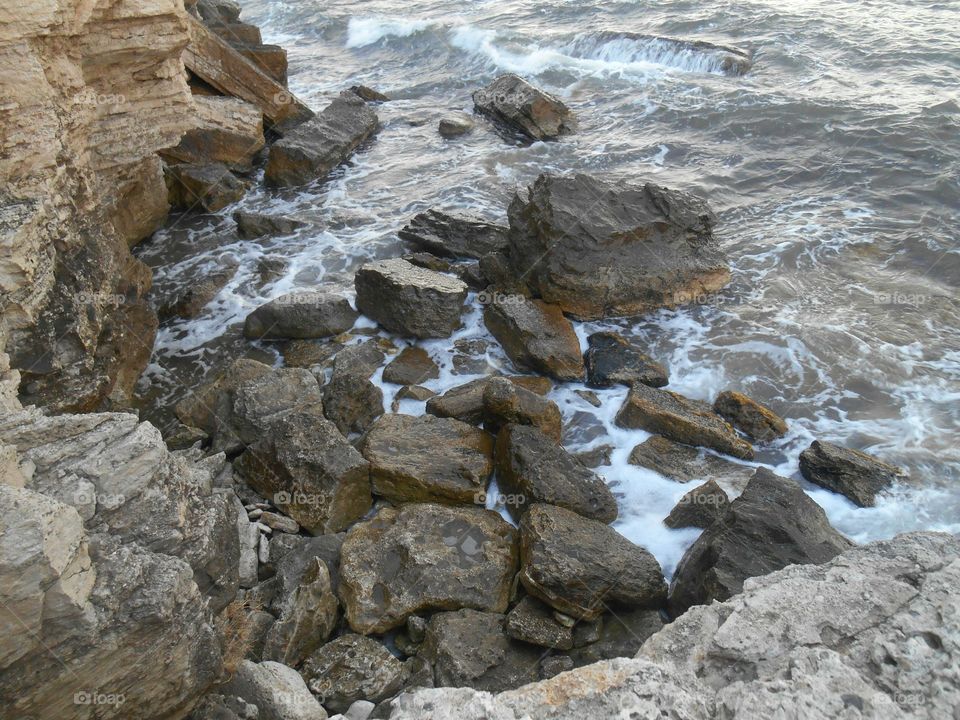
91	90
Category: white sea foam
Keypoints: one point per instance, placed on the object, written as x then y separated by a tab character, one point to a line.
363	31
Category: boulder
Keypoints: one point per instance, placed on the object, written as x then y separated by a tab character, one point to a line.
757	422
253	224
465	402
300	315
351	668
611	360
684	463
311	150
270	59
416	558
506	402
619	635
851	473
772	524
531	469
191	300
454	236
532	622
350	400
199	408
470	648
699	508
228	130
519	106
411	392
427	459
602	249
581	566
411	367
409	300
208	187
536	336
454	126
309	353
368	94
276	690
680	419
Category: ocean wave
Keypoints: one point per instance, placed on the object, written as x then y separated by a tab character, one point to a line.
365	31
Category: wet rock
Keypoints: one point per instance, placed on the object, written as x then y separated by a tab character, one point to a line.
214	706
276	690
227	130
854	474
411	392
350	400
685	463
416	558
311	150
189	302
209	187
519	106
253	224
455	126
580	566
772	524
757	422
596	457
309	353
611	360
601	249
411	367
368	94
620	635
198	409
465	402
300	315
454	236
723	58
536	336
269	59
291	557
427	459
532	621
680	419
310	472
270	269
506	402
351	668
700	507
408	300
306	618
553	665
470	648
531	469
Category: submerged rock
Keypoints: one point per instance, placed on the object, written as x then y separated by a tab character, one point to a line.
454	236
852	473
368	94
208	187
351	668
611	359
700	54
685	463
455	125
519	106
190	302
757	422
700	507
300	315
253	225
536	336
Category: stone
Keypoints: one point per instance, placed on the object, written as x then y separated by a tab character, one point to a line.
416	558
228	131
411	367
553	665
599	456
350	400
465	402
214	706
351	668
684	463
455	126
725	59
852	473
682	420
772	524
408	300
300	315
359	710
291	557
532	621
506	402
699	508
581	566
276	690
612	360
621	635
411	392
427	459
309	353
368	94
521	107
279	522
603	249
470	648
757	422
209	187
199	408
531	469
454	236
236	32
142	206
270	268
536	336
309	471
313	149
270	59
190	302
251	225
217	11
182	437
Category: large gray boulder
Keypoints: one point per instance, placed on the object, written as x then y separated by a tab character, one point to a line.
852	473
519	106
351	668
454	236
300	315
276	690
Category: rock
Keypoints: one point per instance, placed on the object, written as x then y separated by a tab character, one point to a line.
228	131
611	359
415	558
408	300
621	635
309	471
311	150
214	706
757	422
309	353
270	59
253	225
191	301
280	522
596	457
411	367
454	236
536	336
300	315
700	507
713	58
553	665
350	400
600	249
465	402
427	459
276	690
411	392
680	419
368	94
198	409
455	126
270	269
531	469
506	402
772	524
580	566
182	437
851	473
209	187
351	668
359	710
685	463
236	33
532	621
518	105
470	648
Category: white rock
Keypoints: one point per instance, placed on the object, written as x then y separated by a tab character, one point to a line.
277	690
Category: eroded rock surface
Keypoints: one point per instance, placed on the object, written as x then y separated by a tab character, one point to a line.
536	336
519	106
300	315
756	421
852	473
454	236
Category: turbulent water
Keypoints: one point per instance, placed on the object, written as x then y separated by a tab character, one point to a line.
832	164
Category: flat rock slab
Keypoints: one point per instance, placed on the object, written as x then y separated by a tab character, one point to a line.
700	507
685	463
611	359
505	402
532	622
428	459
311	150
465	402
756	421
208	187
852	473
532	469
422	557
454	236
411	367
227	130
253	225
600	249
581	566
681	419
410	300
351	668
536	336
517	105
300	315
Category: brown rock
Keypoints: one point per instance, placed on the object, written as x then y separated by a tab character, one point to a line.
533	622
198	409
757	422
209	187
411	367
192	299
684	463
852	473
611	359
350	399
465	402
506	402
700	507
519	106
411	392
228	131
352	668
536	336
300	315
271	59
